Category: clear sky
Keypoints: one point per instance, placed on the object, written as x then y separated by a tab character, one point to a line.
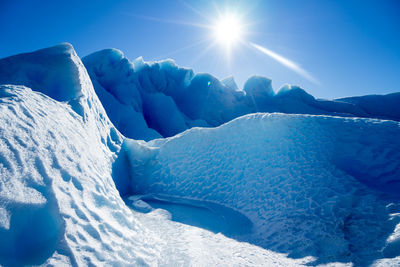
347	47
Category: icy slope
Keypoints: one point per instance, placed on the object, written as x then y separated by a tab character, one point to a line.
146	100
58	201
56	72
57	195
317	186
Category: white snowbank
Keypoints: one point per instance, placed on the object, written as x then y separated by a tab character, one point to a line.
57	189
55	164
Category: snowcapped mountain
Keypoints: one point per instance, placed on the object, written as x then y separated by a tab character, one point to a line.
259	190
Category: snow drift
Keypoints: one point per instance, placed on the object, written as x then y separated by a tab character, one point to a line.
311	185
147	100
57	197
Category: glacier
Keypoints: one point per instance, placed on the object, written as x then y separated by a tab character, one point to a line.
148	100
108	161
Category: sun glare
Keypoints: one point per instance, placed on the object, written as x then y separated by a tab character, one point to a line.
228	30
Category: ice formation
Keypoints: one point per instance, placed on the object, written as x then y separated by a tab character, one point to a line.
296	189
58	201
146	100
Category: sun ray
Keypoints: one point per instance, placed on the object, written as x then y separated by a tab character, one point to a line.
229	29
285	61
195	10
183	48
202	53
185	23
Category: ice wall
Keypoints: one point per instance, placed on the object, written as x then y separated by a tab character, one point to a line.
146	100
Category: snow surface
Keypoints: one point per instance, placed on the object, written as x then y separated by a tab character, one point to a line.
59	204
316	186
148	100
297	189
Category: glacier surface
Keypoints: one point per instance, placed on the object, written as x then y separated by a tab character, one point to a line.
311	185
259	190
148	100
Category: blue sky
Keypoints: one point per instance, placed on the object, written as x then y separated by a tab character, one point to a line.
350	47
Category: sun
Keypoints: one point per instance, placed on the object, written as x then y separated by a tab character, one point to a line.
228	30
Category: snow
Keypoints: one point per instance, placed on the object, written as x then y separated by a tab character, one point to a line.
265	189
207	215
311	185
149	100
59	204
56	186
131	108
47	70
381	105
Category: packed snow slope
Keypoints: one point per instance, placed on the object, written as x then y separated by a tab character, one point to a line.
147	100
58	201
317	186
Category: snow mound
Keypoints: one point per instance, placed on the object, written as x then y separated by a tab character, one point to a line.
57	194
316	186
58	201
148	100
53	71
59	73
49	71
